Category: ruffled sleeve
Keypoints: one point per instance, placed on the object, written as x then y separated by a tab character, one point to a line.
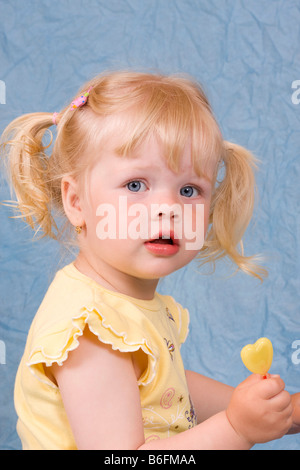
58	326
183	326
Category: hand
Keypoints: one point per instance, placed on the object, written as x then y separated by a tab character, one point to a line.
296	414
260	409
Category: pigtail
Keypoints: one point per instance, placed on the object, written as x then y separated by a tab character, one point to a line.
231	211
27	165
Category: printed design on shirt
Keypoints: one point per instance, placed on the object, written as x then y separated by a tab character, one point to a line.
175	414
170	347
180	399
152	437
167	397
169	315
191	415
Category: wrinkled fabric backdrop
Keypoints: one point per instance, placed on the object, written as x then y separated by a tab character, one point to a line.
246	55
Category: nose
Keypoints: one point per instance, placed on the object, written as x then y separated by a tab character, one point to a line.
165	214
165	210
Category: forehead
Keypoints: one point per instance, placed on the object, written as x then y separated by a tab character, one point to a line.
186	131
146	160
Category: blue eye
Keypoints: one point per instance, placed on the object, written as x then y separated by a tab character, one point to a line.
136	186
189	191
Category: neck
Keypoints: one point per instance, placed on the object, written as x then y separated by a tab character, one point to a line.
115	280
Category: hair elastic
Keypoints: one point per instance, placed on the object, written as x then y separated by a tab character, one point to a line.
81	100
54	118
77	103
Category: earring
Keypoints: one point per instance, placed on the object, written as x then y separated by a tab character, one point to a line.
78	229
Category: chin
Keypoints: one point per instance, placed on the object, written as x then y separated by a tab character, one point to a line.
160	272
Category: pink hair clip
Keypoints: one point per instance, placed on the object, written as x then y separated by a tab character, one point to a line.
81	100
54	118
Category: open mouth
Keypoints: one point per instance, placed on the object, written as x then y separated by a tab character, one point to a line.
163	245
163	241
167	239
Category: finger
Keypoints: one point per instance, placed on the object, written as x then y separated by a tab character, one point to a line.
282	401
251	380
271	387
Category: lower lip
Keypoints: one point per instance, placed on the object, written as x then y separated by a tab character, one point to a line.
162	249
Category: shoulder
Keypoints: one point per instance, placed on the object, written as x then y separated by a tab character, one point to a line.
75	303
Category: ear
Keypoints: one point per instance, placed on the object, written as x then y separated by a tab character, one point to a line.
71	201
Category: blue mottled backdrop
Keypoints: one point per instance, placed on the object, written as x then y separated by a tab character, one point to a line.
247	56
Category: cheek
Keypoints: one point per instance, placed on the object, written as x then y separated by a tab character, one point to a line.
195	223
117	219
197	216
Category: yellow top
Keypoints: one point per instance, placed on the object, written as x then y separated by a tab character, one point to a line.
156	326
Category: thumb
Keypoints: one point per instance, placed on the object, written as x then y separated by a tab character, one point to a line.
251	380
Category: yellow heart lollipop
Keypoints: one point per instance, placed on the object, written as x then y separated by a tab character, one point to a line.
258	357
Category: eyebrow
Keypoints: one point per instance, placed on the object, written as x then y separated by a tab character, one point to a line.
148	167
138	168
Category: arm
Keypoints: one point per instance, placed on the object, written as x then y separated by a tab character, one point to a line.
100	394
101	397
216	396
209	396
99	389
258	411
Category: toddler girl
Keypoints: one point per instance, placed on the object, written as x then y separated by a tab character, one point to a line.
134	169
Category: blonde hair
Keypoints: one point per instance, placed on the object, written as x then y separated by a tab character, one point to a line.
133	105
